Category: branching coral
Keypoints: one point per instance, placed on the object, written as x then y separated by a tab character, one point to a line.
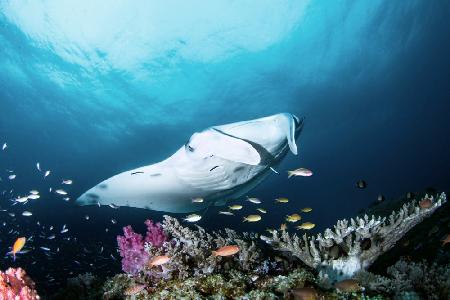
353	245
16	285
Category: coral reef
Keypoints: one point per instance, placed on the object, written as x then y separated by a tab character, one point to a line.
131	246
353	245
84	286
16	285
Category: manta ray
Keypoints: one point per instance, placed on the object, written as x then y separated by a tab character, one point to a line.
218	164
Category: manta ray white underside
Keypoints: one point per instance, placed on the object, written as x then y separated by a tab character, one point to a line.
218	164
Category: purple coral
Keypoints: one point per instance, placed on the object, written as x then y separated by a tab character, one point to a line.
155	234
131	246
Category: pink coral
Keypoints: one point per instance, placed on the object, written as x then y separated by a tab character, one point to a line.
16	285
131	246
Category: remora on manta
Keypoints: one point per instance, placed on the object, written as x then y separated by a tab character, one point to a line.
218	164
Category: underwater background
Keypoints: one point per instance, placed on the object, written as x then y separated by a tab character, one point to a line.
92	89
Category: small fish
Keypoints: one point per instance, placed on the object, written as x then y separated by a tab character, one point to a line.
4	146
300	172
38	166
252	218
34	196
273	170
193	218
197	200
446	240
235	207
426	202
304	293
51	237
64	230
226	251
51	228
158	260
282	200
348	285
380	198
293	218
254	200
27	213
113	221
227	213
306	226
46	173
134	289
306	209
18	245
45	248
21	200
113	206
67	181
11	177
86	217
34	192
61	192
66	199
361	184
262	210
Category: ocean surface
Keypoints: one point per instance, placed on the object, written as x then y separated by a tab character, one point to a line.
94	88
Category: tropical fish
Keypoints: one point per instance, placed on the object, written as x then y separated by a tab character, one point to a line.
18	245
361	184
446	240
300	172
306	226
293	218
193	218
304	293
38	166
67	181
4	146
64	230
158	260
235	207
254	200
113	221
252	218
45	248
21	200
134	289
61	192
226	251
12	176
46	173
306	209
27	213
261	210
34	192
227	213
425	202
348	285
283	226
282	200
34	196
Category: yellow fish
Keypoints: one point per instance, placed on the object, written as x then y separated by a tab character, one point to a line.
306	226
252	218
262	210
18	245
283	227
235	207
282	200
306	209
293	218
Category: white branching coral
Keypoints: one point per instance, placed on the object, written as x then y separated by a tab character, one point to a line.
353	245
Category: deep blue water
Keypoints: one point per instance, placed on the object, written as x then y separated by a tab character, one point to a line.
90	90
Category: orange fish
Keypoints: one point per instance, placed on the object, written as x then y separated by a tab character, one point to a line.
446	240
347	285
425	203
18	245
226	251
158	260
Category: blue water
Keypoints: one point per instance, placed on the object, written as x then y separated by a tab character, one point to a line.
96	89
